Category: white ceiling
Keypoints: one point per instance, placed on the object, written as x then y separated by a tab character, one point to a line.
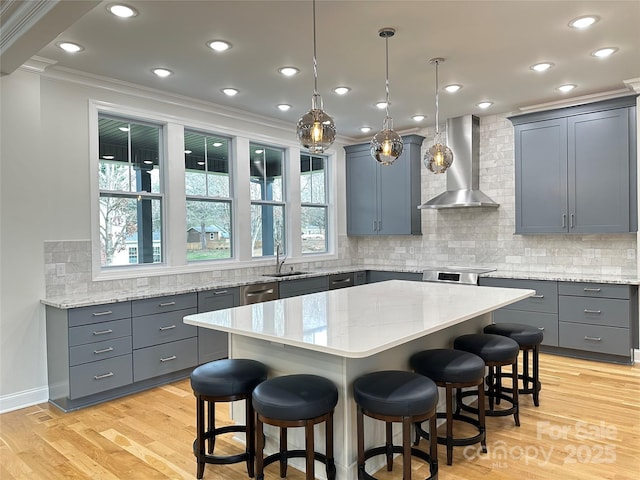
488	46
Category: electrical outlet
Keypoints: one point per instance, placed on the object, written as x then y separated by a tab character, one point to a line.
60	270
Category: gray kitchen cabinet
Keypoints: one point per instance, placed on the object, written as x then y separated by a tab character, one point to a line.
383	200
360	277
341	280
212	344
576	169
302	286
539	311
374	276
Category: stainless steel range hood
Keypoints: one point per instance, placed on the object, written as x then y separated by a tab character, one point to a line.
463	176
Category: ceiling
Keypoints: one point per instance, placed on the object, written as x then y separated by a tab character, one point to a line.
488	47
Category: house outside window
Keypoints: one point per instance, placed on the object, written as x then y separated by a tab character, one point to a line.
267	200
131	196
314	206
208	196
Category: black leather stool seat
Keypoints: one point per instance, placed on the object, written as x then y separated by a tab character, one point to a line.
295	401
496	351
529	338
224	380
523	334
453	369
396	396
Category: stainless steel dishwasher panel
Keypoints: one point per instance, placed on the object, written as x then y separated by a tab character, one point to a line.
259	292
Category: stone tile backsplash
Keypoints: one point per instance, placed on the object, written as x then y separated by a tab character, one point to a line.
473	237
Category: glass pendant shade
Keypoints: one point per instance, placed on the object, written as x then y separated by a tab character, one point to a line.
438	158
386	145
316	130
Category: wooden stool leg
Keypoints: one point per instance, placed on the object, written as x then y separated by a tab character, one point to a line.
389	445
536	378
211	421
525	369
481	416
433	440
283	449
406	448
200	436
250	438
310	448
331	469
260	449
514	379
449	399
360	439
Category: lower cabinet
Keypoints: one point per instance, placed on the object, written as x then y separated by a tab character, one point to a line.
302	286
583	319
212	344
374	276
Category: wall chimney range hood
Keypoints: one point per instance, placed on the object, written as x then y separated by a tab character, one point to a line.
463	176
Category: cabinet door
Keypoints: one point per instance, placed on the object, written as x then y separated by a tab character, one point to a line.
393	198
598	154
362	213
541	177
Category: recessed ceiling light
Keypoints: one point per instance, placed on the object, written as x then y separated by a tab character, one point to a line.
230	92
200	163
484	105
341	90
188	152
108	157
566	88
219	45
217	144
259	151
122	11
365	129
284	107
162	72
382	105
70	47
541	67
583	22
148	162
288	71
453	88
418	118
604	52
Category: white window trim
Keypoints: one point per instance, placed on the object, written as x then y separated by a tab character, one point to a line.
174	205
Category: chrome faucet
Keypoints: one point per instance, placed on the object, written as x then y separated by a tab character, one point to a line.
279	263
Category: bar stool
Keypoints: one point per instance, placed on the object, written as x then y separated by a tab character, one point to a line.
529	339
295	401
496	351
226	380
396	396
450	369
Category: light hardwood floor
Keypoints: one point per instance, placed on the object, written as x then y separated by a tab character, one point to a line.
587	427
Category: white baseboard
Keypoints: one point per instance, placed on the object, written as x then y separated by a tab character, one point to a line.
636	355
23	399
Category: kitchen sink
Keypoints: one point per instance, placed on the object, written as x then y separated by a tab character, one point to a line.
284	274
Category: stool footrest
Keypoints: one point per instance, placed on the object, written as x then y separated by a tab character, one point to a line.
457	442
287	454
502	412
219	459
384	450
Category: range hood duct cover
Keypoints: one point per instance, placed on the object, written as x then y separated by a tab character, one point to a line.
463	176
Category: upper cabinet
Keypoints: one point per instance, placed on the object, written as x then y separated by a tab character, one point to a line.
576	169
383	200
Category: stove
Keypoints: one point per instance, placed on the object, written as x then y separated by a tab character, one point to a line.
455	274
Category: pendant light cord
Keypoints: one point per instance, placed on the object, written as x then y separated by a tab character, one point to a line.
437	119
315	63
386	44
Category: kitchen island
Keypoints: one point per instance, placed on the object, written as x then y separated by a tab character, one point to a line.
342	334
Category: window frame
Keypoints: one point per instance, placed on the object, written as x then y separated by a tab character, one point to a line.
325	205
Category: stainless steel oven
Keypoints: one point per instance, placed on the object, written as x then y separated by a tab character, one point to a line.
455	274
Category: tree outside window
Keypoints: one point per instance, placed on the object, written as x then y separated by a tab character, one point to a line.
314	207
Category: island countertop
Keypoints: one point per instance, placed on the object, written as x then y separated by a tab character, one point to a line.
363	320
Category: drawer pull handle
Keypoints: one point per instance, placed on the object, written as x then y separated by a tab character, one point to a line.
99	314
592	289
586	310
168	359
259	292
104	350
594	339
169	327
103	332
541	328
537	296
104	375
220	292
167	304
344	280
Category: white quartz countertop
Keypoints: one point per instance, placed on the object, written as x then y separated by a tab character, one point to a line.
363	320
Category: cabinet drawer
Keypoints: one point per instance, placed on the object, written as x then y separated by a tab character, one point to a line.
302	286
595	338
547	322
595	290
99	313
544	300
92	352
218	299
360	278
162	359
169	303
212	345
162	328
95	377
340	280
99	332
595	311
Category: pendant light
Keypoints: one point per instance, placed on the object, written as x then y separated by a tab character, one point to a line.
316	130
386	145
438	158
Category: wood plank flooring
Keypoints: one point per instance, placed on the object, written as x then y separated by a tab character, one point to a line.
586	428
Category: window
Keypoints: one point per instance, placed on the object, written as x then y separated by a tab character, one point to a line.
267	200
131	194
208	192
314	207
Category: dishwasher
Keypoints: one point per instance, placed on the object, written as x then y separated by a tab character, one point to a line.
259	292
